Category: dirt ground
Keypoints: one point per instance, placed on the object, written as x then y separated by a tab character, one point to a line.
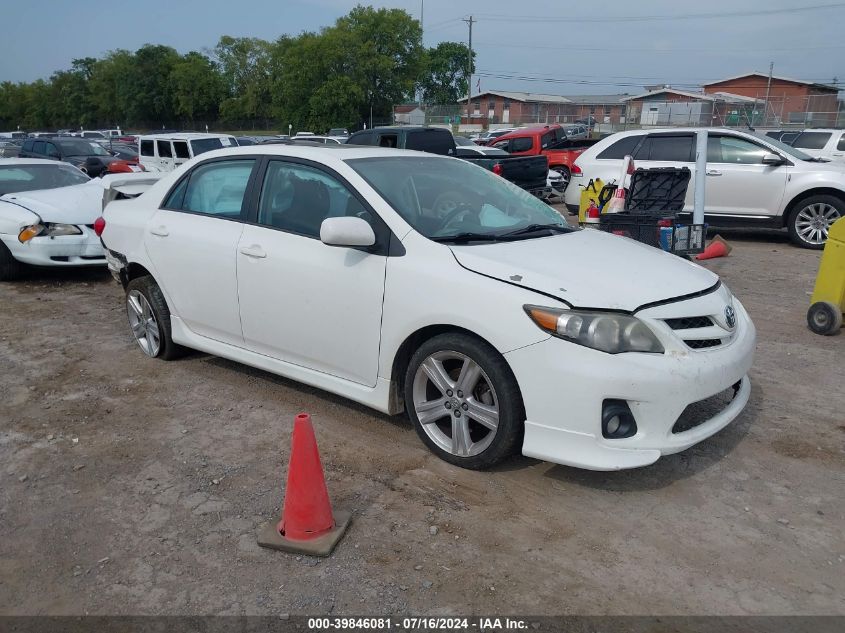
134	486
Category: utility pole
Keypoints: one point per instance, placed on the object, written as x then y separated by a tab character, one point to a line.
422	44
469	21
768	90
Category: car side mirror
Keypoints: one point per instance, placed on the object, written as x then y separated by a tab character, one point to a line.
347	231
773	160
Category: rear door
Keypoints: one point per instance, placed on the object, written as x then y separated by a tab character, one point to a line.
192	243
164	151
181	152
738	183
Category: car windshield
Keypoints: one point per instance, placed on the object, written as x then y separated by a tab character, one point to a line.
83	148
18	178
445	198
787	149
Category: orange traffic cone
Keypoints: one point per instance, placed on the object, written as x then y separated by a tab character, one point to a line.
717	248
308	525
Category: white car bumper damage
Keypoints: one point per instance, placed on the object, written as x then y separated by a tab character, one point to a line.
60	250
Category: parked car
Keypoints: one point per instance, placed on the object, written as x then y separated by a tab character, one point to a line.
490	136
576	131
821	143
527	172
752	179
494	324
551	141
555	183
10	147
89	156
47	212
784	136
338	133
165	152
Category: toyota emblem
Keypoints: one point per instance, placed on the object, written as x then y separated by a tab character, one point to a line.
730	317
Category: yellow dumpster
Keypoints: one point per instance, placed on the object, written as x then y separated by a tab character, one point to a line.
828	302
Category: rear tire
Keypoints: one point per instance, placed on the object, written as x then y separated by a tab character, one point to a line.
10	268
472	410
810	220
149	319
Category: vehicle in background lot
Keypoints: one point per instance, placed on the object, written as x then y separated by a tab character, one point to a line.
752	179
47	212
114	133
477	319
89	156
339	133
127	158
10	147
165	152
92	135
551	141
821	143
784	136
12	135
576	131
300	134
527	172
488	137
323	140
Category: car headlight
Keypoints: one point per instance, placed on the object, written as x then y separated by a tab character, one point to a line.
47	229
605	331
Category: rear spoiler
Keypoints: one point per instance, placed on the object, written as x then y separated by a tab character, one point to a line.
124	186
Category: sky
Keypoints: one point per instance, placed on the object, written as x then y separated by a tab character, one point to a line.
548	46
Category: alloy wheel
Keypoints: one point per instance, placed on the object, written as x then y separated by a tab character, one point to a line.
143	322
813	222
456	403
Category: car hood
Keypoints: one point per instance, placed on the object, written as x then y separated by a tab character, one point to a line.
589	269
76	204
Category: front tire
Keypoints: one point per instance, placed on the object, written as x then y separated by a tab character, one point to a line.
10	268
149	319
810	220
463	401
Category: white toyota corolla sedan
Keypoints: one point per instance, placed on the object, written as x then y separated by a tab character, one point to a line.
420	283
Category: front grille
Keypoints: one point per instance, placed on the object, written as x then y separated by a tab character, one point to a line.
689	323
703	343
700	412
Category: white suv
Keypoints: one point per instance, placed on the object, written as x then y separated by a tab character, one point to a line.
828	144
752	180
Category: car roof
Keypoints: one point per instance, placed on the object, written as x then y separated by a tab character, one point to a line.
183	136
330	153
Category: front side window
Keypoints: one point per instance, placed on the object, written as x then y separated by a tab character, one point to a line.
297	198
388	140
442	198
216	188
40	147
734	150
812	140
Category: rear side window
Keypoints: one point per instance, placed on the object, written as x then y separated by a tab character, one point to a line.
39	147
164	149
523	144
621	148
27	146
147	148
361	138
547	139
667	148
180	149
217	188
431	141
812	140
388	140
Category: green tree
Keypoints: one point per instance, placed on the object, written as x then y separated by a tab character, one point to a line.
198	88
445	78
245	64
113	89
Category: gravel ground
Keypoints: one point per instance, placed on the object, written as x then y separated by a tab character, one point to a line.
133	486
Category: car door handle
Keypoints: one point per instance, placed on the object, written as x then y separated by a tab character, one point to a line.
161	231
254	251
713	172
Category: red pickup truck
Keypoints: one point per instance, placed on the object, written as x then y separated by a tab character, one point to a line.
550	141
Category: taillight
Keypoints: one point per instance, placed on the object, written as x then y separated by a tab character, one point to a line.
497	169
99	226
576	170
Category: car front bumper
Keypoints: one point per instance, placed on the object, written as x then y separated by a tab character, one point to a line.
61	250
564	387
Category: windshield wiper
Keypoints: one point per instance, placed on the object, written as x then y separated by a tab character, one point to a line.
536	228
462	238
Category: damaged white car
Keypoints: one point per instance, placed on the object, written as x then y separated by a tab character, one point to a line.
47	214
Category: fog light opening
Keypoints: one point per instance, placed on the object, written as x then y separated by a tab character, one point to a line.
617	421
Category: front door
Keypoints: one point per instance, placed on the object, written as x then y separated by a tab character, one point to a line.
738	183
302	301
192	242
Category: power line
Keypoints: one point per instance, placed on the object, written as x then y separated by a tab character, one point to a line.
658	50
494	17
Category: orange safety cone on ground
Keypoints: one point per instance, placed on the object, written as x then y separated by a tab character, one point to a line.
308	525
717	248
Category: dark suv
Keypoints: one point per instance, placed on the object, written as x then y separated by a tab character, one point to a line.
88	156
